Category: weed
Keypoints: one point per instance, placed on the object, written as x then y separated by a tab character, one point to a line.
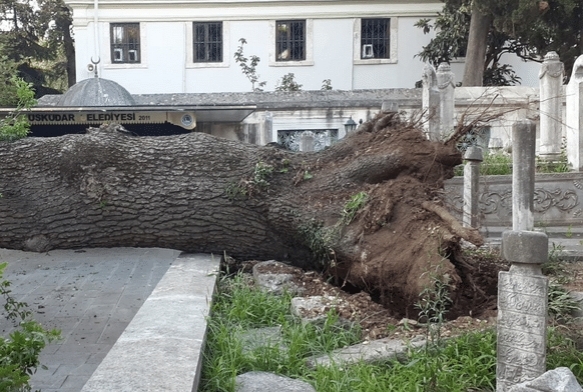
288	83
261	174
19	352
326	85
561	304
319	240
352	207
249	66
569	233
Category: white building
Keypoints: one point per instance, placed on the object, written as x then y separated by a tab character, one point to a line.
187	46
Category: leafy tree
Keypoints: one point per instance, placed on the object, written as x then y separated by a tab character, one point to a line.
16	126
522	27
37	37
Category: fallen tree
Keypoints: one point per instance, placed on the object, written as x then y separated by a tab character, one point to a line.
367	210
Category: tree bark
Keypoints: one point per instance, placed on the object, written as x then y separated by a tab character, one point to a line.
199	193
476	50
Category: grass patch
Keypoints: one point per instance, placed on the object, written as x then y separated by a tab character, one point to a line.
499	163
464	363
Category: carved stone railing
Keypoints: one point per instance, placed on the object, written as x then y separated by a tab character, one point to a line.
557	200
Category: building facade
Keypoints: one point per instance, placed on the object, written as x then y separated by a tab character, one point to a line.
188	46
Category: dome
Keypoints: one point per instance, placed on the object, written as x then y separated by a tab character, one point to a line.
96	92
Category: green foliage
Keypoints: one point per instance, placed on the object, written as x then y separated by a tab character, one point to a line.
37	37
319	239
16	126
561	304
19	352
526	28
352	207
288	83
326	85
461	364
249	66
247	187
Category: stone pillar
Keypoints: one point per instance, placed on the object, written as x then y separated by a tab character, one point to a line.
522	309
523	168
474	158
307	141
550	82
446	88
575	116
430	102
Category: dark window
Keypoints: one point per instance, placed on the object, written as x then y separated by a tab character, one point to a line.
208	42
374	39
125	42
290	40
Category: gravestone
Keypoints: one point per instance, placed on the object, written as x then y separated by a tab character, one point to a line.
522	291
446	88
550	82
430	102
474	158
574	116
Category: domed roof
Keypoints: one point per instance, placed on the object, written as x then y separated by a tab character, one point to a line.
96	92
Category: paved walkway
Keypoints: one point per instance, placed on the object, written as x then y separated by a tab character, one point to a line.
90	295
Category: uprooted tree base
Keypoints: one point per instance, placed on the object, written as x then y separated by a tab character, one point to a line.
367	211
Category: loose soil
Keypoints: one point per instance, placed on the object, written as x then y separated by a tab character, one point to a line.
377	321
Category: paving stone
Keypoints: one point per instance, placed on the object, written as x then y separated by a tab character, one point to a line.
80	294
269	382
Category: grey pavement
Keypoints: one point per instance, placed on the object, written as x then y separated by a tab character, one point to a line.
90	295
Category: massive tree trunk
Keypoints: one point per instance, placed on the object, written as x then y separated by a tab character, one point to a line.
367	210
476	50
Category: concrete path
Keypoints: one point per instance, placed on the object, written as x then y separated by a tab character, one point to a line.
90	295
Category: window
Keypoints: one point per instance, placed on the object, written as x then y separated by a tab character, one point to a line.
375	38
290	40
208	42
125	43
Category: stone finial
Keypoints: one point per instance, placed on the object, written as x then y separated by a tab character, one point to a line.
429	76
474	153
577	74
552	66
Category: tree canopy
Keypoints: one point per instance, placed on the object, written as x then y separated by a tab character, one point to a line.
526	28
37	38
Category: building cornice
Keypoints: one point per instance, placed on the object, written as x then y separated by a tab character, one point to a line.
161	10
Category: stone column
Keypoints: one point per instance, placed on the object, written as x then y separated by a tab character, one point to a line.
550	81
474	158
575	116
430	102
446	88
522	291
307	141
523	168
522	310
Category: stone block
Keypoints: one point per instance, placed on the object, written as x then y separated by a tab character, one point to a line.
527	247
275	277
557	380
269	382
376	350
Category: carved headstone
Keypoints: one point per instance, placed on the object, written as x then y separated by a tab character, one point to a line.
446	88
430	102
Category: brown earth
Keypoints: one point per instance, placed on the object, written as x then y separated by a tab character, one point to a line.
378	321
